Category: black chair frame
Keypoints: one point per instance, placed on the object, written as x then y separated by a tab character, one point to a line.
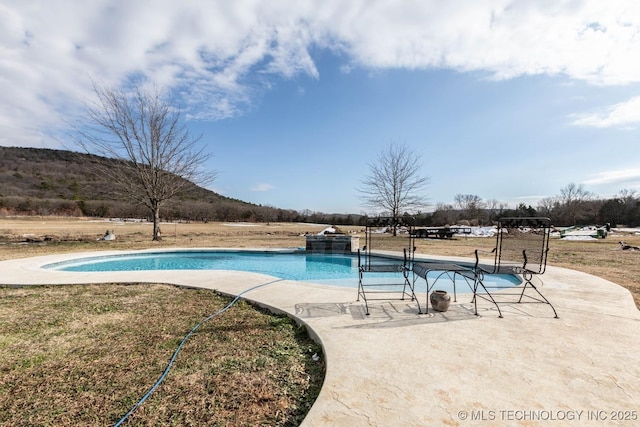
522	247
385	291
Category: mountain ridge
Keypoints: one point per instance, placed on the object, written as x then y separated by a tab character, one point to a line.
43	181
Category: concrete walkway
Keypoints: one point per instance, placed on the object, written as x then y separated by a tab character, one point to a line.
396	367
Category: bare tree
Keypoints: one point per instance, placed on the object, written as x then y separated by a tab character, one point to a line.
394	184
573	206
547	205
492	205
152	156
630	200
444	214
470	205
573	193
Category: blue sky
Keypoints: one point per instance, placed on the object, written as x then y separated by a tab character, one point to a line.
506	100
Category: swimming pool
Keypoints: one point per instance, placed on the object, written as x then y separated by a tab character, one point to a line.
333	269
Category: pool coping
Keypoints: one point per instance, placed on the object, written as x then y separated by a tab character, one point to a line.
396	367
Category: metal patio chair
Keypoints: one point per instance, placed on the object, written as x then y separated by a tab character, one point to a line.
522	245
370	263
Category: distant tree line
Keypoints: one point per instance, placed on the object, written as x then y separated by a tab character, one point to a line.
573	206
186	211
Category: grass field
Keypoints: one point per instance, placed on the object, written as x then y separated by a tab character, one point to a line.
84	354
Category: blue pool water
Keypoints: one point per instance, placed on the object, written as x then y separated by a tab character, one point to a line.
334	269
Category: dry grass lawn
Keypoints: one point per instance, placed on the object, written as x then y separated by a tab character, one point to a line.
84	355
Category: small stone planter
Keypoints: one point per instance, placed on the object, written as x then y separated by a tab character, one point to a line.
440	300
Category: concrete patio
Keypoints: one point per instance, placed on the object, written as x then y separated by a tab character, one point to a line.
396	367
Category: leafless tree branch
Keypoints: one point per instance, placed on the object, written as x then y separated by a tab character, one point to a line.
395	184
151	155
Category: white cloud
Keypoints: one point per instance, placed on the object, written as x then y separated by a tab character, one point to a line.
587	40
623	114
262	187
219	54
625	176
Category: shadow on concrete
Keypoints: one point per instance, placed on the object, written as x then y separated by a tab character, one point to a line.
389	314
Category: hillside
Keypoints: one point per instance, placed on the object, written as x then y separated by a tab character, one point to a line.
36	181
